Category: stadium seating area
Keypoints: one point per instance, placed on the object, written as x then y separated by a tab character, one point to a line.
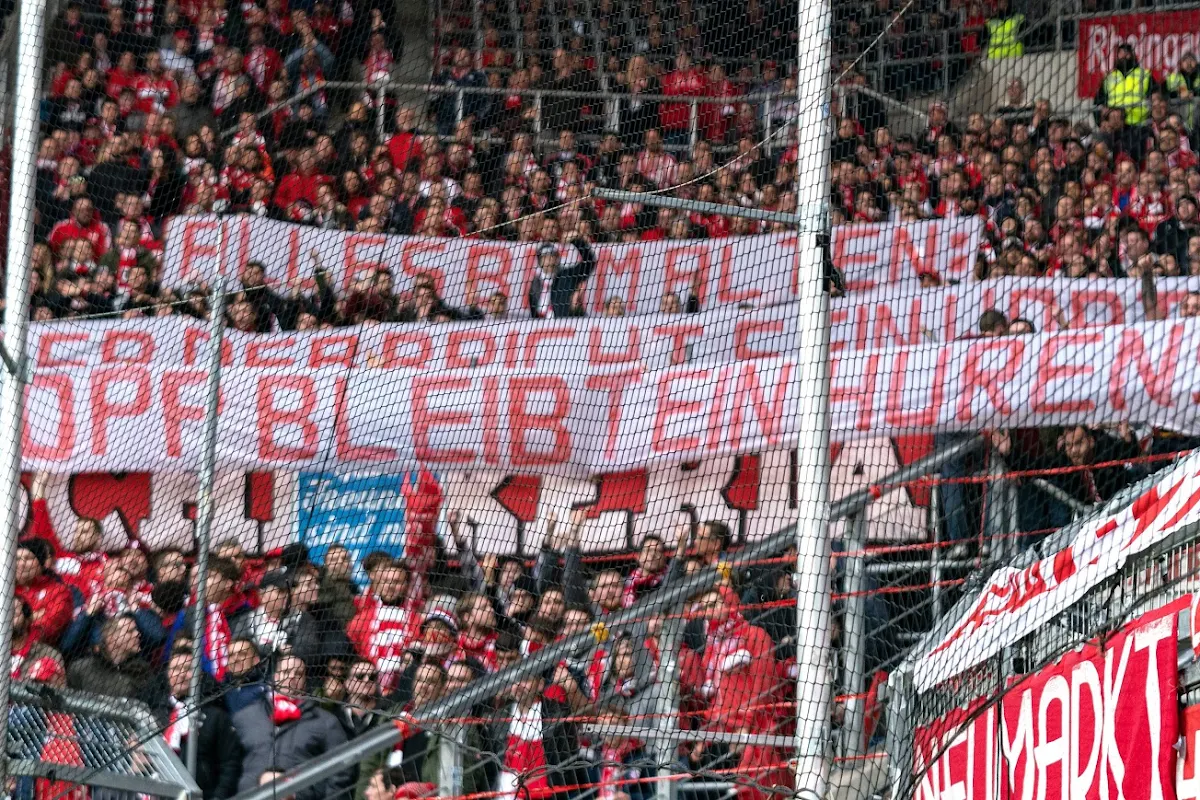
156	110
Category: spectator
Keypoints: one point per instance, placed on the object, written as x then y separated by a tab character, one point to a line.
1004	32
28	651
48	598
116	669
1127	88
461	75
285	729
550	293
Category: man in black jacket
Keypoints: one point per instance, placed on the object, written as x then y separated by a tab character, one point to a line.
218	754
550	291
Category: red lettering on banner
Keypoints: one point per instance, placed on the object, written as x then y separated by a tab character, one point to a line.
864	241
666	408
696	278
299	416
614	385
608	264
904	252
455	358
192	250
598	356
491	420
716	410
1049	372
111	352
1156	383
176	412
424	419
293	255
64	392
950	318
499	277
962	255
195	348
768	415
413	270
895	413
861	396
979	374
243	239
886	334
837	317
1083	299
352	266
745	328
862	327
725	293
259	348
1045	297
333	350
104	410
346	449
390	357
680	333
522	421
96	495
46	343
548	334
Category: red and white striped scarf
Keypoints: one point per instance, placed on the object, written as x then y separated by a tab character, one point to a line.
216	641
178	725
143	18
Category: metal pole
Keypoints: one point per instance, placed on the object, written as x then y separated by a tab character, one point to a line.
206	501
693	125
854	636
384	738
813	614
667	696
16	320
380	110
935	555
698	206
995	515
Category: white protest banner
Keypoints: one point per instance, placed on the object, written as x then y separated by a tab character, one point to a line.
1018	601
898	314
1101	722
654	340
758	270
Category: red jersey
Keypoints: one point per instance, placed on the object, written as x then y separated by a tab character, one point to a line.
680	83
381	633
95	232
52	607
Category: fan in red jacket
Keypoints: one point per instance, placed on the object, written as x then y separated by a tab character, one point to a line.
685	81
82	224
156	90
385	624
47	596
81	567
735	674
301	183
422	500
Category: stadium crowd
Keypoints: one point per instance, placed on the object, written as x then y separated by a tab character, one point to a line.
171	108
297	658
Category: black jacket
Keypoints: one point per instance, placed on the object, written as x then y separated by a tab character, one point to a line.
564	283
218	754
284	747
98	675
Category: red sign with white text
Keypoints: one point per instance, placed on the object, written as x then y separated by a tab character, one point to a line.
1159	40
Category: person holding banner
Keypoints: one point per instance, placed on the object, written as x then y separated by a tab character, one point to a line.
550	292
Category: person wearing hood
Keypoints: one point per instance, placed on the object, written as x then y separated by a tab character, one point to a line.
1127	87
284	729
48	597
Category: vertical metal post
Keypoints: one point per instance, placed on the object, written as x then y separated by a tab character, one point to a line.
812	390
667	697
854	636
537	118
477	24
458	106
995	512
693	124
768	108
206	501
26	100
935	554
381	110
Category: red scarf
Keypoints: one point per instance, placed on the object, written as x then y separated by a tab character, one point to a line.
482	649
640	581
178	725
612	760
525	755
216	641
284	709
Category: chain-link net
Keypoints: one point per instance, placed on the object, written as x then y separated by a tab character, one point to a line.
511	381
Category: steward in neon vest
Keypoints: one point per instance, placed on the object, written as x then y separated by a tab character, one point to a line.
1127	87
1002	37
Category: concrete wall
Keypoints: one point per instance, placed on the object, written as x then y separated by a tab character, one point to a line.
1049	75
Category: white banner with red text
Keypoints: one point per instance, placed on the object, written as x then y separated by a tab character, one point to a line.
583	420
1100	722
756	269
1016	602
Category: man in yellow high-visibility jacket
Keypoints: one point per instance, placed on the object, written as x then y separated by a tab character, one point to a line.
1127	87
1004	33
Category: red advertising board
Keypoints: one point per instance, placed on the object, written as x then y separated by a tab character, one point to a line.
1158	39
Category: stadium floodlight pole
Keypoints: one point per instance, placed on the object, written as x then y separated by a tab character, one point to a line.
814	665
206	502
26	105
386	737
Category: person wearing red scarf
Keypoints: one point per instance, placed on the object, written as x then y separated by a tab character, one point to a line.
284	729
650	570
540	744
48	598
422	501
623	761
224	604
386	623
477	634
